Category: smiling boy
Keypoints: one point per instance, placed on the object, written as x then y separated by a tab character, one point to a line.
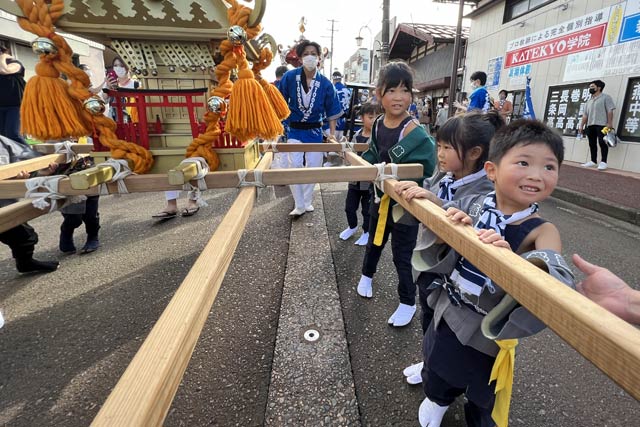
524	159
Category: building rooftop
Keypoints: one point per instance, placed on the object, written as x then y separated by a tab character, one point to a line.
409	35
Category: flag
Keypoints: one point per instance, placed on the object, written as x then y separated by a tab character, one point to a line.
528	112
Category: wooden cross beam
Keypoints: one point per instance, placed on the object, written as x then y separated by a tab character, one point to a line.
11	170
92	177
51	148
18	213
313	147
158	182
607	341
144	393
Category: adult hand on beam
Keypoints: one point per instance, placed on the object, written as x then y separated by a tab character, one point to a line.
608	290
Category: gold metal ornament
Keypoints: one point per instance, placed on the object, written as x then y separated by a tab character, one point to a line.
214	104
44	46
237	35
94	105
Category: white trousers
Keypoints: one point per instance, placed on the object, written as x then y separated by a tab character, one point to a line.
303	193
172	194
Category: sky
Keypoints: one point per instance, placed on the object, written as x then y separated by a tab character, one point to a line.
282	18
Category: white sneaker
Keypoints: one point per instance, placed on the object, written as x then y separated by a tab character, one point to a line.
309	208
602	166
430	413
589	164
297	212
362	240
348	232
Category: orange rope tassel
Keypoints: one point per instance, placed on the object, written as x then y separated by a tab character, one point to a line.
250	113
47	110
280	107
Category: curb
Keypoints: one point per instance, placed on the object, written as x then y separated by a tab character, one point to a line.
623	213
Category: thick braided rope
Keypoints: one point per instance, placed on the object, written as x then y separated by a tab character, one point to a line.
40	21
202	145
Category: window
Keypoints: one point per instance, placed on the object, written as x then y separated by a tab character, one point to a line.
516	8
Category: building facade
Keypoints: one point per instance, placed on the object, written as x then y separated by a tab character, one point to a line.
358	68
562	46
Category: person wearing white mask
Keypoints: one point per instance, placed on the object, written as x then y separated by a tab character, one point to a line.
312	98
96	90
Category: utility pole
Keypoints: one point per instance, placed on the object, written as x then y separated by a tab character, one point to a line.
457	47
333	21
384	54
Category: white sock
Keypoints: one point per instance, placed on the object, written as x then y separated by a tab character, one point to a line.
364	287
416	368
403	314
414	379
348	232
430	413
362	241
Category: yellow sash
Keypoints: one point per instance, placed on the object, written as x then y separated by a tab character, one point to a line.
502	373
383	212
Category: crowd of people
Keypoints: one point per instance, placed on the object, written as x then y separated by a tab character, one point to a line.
481	169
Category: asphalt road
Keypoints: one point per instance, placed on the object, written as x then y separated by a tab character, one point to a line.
70	334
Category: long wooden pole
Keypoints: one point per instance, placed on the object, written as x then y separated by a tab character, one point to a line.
159	182
11	170
18	213
144	393
306	147
608	342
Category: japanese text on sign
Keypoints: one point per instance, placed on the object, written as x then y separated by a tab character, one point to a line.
576	42
629	127
565	106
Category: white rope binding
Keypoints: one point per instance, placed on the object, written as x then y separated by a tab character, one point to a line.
270	145
195	193
44	192
381	177
348	146
121	171
257	176
65	147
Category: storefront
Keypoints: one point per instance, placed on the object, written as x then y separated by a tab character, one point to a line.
562	46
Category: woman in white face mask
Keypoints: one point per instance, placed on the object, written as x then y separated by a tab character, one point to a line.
311	97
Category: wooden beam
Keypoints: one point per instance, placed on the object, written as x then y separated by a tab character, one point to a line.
51	148
182	173
610	343
92	177
18	213
144	393
11	170
158	182
312	147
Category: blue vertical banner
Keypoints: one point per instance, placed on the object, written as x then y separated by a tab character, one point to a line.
528	104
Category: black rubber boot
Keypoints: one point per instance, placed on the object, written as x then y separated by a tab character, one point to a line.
30	265
66	242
